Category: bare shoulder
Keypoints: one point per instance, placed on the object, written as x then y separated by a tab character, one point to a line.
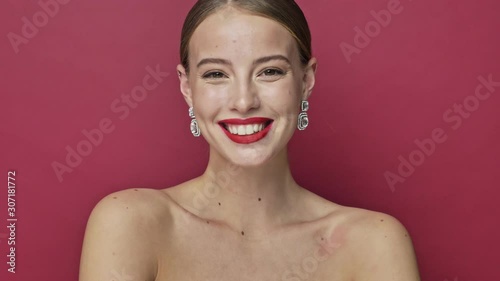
362	223
131	207
381	245
372	224
139	198
121	235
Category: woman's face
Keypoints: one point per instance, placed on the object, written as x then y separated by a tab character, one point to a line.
246	84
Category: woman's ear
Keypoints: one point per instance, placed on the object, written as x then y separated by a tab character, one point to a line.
309	78
184	85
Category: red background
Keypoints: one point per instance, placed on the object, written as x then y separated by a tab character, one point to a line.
364	115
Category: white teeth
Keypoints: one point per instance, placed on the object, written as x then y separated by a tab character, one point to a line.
244	130
241	130
249	129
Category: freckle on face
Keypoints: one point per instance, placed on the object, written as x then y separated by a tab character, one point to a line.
243	38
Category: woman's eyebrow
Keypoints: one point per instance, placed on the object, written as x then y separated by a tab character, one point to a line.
256	62
270	58
214	61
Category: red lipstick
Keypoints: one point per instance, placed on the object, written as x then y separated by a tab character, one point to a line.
247	139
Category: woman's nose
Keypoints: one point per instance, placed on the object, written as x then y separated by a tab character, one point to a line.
244	97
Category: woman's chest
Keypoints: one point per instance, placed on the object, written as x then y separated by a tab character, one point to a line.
239	268
217	256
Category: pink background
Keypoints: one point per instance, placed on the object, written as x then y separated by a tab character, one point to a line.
364	115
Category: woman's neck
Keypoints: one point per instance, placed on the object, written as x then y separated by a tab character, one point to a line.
250	200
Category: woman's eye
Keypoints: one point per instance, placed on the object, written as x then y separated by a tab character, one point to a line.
272	72
214	75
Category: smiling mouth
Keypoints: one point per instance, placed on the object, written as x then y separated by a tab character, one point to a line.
245	129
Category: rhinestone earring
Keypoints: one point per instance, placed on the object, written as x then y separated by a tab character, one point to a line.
303	120
195	130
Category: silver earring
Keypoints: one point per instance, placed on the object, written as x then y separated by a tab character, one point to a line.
303	120
195	130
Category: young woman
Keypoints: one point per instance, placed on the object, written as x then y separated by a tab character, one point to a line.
246	74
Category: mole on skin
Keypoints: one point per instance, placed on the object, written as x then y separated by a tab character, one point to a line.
333	241
115	197
242	233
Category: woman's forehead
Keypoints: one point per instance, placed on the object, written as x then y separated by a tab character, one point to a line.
232	33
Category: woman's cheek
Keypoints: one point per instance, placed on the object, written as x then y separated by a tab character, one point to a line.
209	103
